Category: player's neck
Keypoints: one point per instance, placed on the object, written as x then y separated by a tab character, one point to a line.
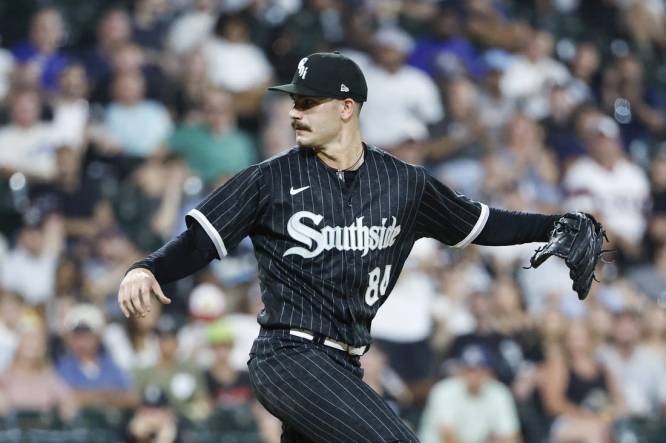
343	153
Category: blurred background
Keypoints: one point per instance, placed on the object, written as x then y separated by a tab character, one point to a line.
116	118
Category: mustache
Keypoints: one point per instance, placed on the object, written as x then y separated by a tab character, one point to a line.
296	126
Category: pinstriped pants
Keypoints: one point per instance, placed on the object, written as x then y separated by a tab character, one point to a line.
319	394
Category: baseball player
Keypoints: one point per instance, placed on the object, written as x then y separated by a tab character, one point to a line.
332	221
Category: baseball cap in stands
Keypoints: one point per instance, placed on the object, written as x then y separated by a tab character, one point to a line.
84	318
606	126
154	397
207	302
395	38
327	74
474	356
221	332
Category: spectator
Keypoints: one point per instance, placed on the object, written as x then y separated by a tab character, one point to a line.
470	407
33	141
534	167
403	100
136	345
192	28
87	368
495	110
113	32
637	107
459	140
30	268
585	71
75	195
655	330
181	381
530	77
501	350
149	201
11	307
640	371
236	64
657	225
610	186
70	106
153	420
6	67
405	345
445	49
41	52
192	87
207	303
578	391
560	130
150	23
234	408
216	149
137	127
31	383
487	25
650	279
645	21
130	59
112	254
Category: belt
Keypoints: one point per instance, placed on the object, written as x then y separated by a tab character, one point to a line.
326	341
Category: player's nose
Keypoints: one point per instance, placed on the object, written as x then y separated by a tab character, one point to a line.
295	114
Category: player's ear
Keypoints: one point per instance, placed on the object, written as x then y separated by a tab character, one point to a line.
347	109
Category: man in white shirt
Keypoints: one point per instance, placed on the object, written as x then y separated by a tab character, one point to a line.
403	100
70	106
640	371
30	267
608	185
471	407
28	145
530	77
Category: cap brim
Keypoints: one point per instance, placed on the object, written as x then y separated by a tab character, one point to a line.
291	88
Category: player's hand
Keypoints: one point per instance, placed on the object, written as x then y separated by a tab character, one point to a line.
135	292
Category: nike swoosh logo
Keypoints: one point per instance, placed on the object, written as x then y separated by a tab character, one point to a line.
293	191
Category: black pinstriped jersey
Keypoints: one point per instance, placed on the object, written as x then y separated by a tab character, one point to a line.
329	253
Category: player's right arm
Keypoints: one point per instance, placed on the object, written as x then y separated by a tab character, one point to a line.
182	256
216	225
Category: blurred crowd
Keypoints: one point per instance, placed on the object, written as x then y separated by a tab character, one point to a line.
116	118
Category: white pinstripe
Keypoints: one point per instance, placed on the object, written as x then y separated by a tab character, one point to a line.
294	411
391	418
338	408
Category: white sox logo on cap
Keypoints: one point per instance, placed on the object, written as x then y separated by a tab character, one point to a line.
302	70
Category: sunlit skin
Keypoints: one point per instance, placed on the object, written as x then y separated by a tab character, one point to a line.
330	127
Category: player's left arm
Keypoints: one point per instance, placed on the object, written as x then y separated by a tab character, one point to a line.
456	220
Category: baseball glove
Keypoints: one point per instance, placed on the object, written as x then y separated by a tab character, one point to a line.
577	238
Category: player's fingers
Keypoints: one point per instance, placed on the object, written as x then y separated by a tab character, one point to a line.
127	300
122	294
160	295
135	302
144	298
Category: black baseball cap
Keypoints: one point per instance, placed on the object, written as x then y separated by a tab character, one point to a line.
327	74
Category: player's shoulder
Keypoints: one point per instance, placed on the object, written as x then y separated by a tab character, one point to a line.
384	156
286	155
279	159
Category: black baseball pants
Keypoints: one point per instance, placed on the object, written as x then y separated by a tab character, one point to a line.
318	393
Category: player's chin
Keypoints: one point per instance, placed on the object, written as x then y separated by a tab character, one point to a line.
303	138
